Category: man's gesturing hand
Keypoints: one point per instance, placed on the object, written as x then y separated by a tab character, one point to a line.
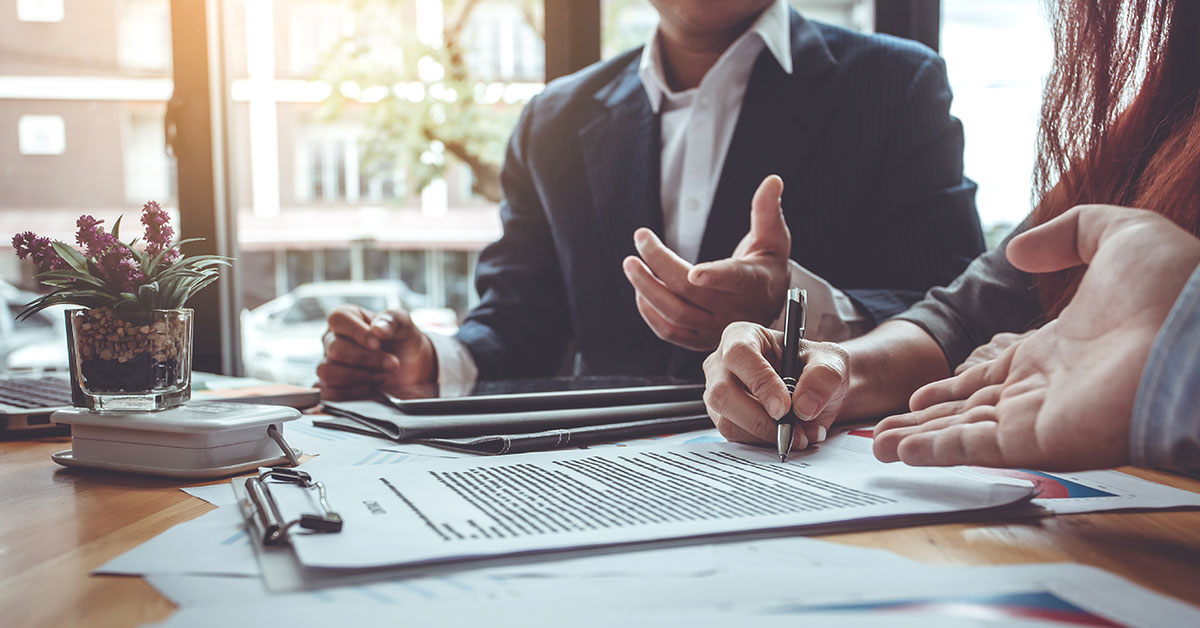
1060	398
367	352
691	305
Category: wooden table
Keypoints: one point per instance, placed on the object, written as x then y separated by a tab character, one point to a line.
57	525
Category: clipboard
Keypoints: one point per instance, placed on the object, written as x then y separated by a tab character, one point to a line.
265	522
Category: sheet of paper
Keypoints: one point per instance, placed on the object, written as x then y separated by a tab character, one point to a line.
799	553
202	591
1070	594
1044	596
455	509
1094	491
357	454
1070	493
303	435
215	494
213	543
732	557
519	615
216	544
687	438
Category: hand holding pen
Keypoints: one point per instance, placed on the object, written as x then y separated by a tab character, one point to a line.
745	394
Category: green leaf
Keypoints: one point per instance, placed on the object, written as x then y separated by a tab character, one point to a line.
38	305
197	288
116	230
86	298
152	269
183	242
58	277
72	257
148	295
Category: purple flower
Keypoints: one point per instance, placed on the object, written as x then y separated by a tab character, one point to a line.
158	230
92	237
23	242
119	270
38	250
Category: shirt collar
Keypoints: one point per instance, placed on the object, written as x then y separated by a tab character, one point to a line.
773	27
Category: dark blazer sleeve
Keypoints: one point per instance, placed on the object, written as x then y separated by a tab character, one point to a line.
924	229
521	326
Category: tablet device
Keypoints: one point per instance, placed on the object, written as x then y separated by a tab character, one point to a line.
554	393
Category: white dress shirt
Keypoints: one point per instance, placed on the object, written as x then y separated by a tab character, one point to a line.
697	125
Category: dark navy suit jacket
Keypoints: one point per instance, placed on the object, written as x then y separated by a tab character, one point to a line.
874	196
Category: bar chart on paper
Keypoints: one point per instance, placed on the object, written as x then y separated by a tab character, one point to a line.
1001	607
1068	493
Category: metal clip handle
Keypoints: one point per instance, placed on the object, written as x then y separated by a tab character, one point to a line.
277	436
270	523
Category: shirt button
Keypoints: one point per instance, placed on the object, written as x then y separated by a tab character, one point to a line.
691	204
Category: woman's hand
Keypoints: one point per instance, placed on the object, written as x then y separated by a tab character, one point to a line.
992	350
745	395
1060	399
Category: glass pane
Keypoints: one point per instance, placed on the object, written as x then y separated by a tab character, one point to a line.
83	91
852	14
998	99
627	24
366	143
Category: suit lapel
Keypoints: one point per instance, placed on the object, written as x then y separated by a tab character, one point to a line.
621	156
781	118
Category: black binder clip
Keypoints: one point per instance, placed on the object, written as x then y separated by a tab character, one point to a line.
270	524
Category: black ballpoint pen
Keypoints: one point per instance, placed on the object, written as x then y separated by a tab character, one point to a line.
794	317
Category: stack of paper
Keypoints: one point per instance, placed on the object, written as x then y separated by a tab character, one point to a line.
443	510
603	533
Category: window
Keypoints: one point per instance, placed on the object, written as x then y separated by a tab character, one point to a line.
628	23
852	14
143	44
83	92
997	54
148	171
366	140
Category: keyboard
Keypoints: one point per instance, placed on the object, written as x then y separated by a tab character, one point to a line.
35	392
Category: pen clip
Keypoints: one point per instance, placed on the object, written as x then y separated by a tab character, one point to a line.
803	312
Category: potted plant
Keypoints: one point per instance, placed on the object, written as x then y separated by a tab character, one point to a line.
130	340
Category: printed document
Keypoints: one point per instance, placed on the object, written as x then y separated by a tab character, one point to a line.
1071	493
443	510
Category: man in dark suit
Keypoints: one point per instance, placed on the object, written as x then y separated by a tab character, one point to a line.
626	187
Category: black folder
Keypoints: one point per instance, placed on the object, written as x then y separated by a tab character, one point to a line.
516	432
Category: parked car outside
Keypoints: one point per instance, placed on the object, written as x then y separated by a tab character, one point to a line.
36	343
281	339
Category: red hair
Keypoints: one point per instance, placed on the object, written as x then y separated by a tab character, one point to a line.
1120	122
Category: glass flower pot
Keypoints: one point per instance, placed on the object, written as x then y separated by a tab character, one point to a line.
123	361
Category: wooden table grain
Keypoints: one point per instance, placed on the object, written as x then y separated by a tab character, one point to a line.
57	525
